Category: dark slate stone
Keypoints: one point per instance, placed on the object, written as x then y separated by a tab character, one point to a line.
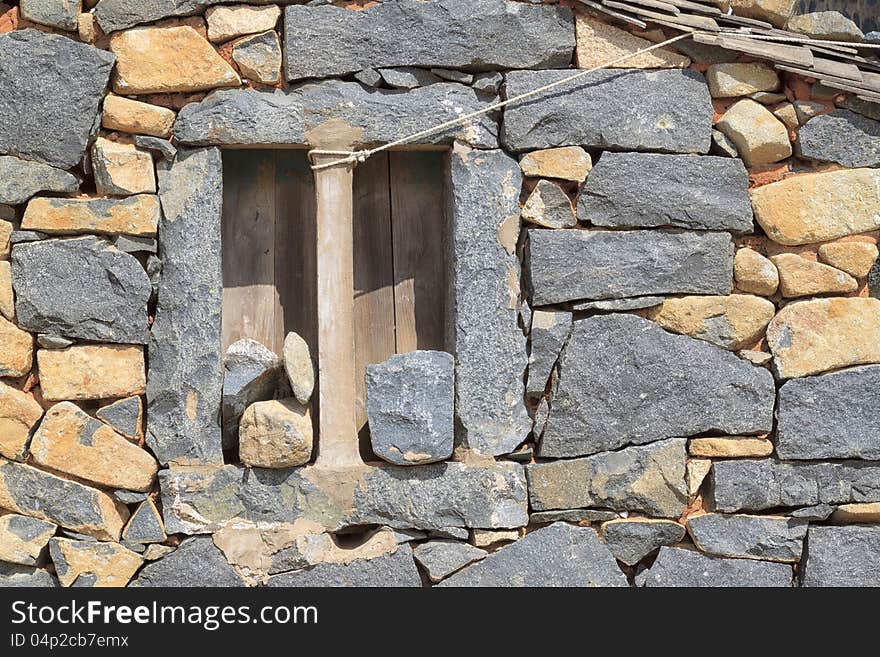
754	485
772	538
15	576
647	479
679	567
832	416
554	556
370	77
123	415
409	400
614	305
185	377
326	41
549	334
50	91
816	513
842	556
873	279
25	236
488	83
630	541
21	179
145	525
129	497
80	288
196	563
572	515
393	570
440	559
115	15
407	77
490	348
251	117
627	190
625	381
844	137
567	265
668	111
863	107
136	244
162	146
251	373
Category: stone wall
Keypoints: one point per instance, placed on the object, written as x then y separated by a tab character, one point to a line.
665	337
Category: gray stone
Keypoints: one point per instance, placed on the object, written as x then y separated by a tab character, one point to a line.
196	563
490	348
549	206
628	190
623	109
844	137
816	513
458	533
771	538
50	341
755	485
550	331
440	559
59	83
630	541
648	479
625	381
145	525
396	570
115	15
453	76
15	576
328	41
259	57
369	77
129	497
831	416
615	305
54	13
767	98
863	107
407	77
831	25
251	117
567	265
21	179
25	236
722	145
409	400
554	556
161	146
679	567
572	515
842	556
705	53
251	374
135	244
80	288
185	377
488	83
124	416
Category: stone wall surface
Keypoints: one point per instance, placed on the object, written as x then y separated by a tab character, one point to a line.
664	300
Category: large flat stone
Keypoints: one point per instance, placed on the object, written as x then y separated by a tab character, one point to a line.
21	179
754	485
771	538
115	15
23	539
679	567
50	90
397	570
832	416
628	190
554	556
490	349
567	265
196	563
71	505
628	109
93	563
632	540
296	116
842	556
842	137
19	413
186	361
15	576
648	479
134	215
325	41
91	371
548	335
80	288
625	381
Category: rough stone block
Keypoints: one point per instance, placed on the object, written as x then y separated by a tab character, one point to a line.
23	539
21	179
770	538
93	563
196	563
679	567
842	556
630	541
842	137
135	215
91	372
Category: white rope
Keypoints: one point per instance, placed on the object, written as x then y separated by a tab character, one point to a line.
803	40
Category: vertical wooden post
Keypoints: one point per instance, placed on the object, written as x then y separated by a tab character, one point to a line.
337	392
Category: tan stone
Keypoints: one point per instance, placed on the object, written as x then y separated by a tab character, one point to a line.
799	277
776	12
809	337
87	27
167	60
787	113
139	118
755	357
16	350
299	367
548	206
70	441
134	215
819	207
759	136
695	473
122	169
599	43
731	79
860	512
731	322
259	57
92	372
483	538
730	447
93	563
830	25
275	434
19	413
7	299
855	258
754	273
6	229
228	22
23	539
565	163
